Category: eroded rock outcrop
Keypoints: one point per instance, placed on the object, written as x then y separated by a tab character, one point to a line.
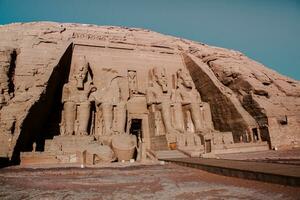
235	94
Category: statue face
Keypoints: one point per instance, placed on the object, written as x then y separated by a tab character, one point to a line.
187	82
163	79
81	72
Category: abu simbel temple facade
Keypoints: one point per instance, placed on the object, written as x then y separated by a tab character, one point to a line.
73	93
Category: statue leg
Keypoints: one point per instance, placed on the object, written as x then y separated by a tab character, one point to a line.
107	113
181	140
179	119
83	117
166	114
207	116
120	118
190	139
196	117
69	117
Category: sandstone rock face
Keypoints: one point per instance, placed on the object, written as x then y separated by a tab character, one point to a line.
40	62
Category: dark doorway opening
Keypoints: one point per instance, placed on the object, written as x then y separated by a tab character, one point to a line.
207	146
136	129
4	162
255	134
264	132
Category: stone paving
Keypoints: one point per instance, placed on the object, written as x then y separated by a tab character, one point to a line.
167	181
291	156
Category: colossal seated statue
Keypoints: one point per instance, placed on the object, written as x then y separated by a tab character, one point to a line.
186	95
187	116
111	105
159	98
75	99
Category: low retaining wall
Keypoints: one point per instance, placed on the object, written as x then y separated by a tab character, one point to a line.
222	169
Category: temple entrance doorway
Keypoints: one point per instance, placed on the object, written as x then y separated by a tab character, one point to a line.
255	134
136	129
207	146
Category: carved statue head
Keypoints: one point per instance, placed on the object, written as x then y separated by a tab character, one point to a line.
185	79
81	73
159	76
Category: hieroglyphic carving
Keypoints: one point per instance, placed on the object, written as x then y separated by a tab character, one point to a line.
89	36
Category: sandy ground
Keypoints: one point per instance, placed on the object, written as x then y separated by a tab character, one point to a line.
167	181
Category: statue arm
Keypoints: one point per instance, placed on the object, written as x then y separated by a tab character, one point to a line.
95	97
152	96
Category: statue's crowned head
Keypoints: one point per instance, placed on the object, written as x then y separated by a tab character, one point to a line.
160	77
82	70
185	79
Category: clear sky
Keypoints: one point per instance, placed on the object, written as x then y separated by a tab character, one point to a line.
266	30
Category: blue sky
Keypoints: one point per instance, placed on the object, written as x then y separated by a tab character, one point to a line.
265	30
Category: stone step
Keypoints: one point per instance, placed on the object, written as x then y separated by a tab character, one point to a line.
159	143
243	147
166	154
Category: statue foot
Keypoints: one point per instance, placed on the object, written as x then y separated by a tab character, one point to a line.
69	133
83	133
171	138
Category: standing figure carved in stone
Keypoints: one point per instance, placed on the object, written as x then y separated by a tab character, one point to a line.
159	97
132	82
75	98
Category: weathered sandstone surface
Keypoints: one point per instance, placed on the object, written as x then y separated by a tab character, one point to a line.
35	58
134	182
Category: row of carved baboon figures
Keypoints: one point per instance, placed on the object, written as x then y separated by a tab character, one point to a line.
110	99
